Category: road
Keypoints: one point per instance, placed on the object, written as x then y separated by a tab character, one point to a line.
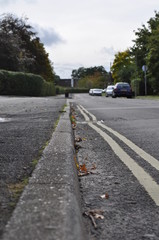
26	124
120	143
117	159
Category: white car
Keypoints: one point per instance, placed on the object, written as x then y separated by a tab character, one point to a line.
96	92
90	91
109	90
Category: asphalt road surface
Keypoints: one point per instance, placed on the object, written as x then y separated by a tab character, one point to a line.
117	158
120	161
26	124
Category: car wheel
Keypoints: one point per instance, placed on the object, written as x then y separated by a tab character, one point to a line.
113	95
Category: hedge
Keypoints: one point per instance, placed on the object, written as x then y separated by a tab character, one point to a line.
24	84
62	90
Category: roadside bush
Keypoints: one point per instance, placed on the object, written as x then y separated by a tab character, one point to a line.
63	90
60	90
135	85
78	90
24	84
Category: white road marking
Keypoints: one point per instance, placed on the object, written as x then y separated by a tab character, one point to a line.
142	176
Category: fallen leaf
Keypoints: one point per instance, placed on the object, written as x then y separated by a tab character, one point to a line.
77	147
93	167
83	174
95	213
106	196
84	139
98	216
83	168
78	139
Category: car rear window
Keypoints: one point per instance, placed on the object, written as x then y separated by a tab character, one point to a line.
123	86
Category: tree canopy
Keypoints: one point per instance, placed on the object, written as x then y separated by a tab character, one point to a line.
91	77
123	67
21	49
128	64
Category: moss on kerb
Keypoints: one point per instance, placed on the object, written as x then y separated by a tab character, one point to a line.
57	121
16	190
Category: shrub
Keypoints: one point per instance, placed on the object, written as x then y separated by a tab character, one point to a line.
24	84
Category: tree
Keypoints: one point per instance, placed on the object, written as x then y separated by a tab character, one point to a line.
21	49
42	64
146	51
123	67
9	53
152	59
91	77
18	34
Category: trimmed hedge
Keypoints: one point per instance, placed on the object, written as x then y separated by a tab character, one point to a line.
24	84
62	90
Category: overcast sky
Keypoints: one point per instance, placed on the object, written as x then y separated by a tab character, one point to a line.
83	33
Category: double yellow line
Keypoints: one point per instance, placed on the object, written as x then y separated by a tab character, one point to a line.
142	176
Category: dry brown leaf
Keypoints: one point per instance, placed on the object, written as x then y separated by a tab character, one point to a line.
93	167
83	168
95	213
78	139
106	196
83	174
98	216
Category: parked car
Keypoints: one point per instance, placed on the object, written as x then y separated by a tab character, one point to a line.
95	92
90	91
122	89
109	90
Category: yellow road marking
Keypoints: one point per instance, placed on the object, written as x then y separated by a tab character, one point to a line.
142	176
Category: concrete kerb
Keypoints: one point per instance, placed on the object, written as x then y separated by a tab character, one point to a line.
49	207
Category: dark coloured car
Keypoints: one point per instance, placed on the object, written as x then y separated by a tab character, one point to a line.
122	89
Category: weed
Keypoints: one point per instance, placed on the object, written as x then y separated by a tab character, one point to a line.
34	162
17	188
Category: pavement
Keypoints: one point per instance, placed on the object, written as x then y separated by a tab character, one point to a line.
50	207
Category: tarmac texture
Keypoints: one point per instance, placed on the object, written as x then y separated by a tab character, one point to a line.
49	207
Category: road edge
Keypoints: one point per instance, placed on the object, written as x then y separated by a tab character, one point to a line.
49	207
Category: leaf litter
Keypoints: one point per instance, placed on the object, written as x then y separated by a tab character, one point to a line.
94	214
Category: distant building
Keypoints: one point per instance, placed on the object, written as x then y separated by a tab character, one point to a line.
65	82
68	82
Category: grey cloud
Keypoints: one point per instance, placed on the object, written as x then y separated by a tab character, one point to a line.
65	70
108	51
6	2
48	36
